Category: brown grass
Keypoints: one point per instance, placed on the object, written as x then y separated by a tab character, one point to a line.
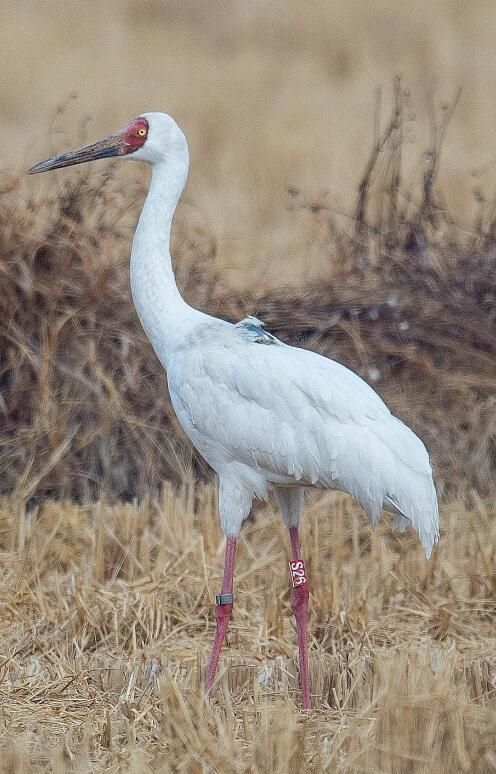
106	622
85	409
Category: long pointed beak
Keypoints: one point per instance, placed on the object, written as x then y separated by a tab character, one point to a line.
103	149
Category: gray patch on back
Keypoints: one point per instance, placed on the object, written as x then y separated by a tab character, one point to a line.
253	329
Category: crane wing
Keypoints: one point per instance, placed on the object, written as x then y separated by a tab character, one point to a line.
290	415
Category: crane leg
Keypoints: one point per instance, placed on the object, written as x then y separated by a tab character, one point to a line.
223	610
299	603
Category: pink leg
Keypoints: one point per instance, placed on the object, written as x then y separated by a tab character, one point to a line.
223	610
299	603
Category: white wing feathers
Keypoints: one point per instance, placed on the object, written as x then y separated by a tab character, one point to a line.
293	416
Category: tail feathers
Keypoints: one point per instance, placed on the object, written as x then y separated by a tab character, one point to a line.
411	497
419	511
400	523
407	484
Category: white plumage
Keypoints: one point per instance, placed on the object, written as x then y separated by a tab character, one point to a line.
266	416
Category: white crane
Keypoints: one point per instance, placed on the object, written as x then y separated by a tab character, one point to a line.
267	417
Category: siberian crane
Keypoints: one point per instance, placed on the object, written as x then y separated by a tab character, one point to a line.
266	416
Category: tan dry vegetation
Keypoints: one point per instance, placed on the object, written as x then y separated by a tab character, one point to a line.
85	407
107	620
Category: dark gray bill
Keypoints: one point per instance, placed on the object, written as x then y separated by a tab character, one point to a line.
103	149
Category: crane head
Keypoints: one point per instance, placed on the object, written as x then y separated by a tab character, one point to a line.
150	137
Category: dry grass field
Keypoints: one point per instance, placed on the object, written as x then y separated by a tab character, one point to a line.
107	620
110	549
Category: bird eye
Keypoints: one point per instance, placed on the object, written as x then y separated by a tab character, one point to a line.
141	132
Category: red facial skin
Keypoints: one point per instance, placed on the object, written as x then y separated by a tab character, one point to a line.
131	137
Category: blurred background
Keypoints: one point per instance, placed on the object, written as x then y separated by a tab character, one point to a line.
270	95
342	187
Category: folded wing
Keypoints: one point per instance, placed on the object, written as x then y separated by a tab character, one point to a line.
295	416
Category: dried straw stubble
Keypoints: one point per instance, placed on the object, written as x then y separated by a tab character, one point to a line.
105	633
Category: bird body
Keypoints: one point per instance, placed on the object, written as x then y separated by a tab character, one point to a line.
269	415
266	416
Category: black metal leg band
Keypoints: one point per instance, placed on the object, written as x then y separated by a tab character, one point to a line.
224	599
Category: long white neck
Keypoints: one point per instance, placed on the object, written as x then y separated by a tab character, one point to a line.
164	315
